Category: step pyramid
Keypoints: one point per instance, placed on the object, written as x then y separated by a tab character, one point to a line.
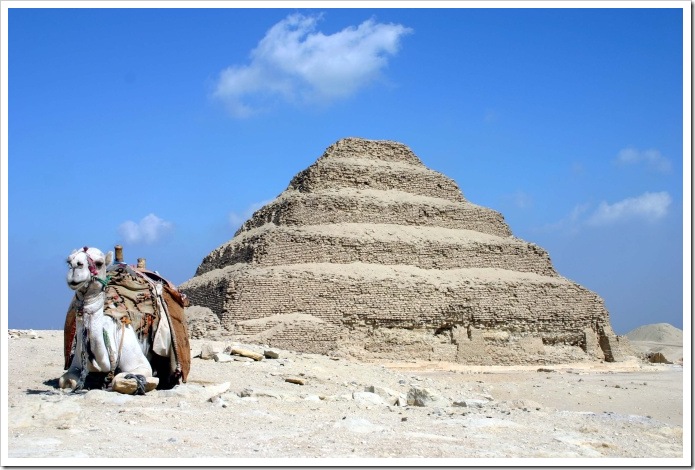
371	254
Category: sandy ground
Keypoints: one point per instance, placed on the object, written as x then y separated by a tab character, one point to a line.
244	411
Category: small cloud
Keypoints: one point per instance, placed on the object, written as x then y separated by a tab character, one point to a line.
236	219
520	199
149	230
571	223
651	157
648	206
577	213
295	63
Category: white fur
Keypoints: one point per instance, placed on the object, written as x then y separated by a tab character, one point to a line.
90	294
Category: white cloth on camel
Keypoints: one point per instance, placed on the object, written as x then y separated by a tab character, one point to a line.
162	339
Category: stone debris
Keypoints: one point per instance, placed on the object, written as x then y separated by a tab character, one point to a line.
421	396
217	400
296	380
390	396
208	351
195	391
268	354
31	334
368	398
658	358
246	353
222	357
202	322
470	403
261	393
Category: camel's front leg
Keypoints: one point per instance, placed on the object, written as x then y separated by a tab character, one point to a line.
71	377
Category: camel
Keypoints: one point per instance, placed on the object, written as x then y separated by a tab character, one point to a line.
100	335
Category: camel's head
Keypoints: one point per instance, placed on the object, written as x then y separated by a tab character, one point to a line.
85	264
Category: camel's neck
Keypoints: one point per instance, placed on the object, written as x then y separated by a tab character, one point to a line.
91	302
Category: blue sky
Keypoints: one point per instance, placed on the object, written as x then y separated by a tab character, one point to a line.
163	129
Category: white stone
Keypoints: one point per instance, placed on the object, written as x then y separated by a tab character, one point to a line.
208	351
368	398
389	395
222	357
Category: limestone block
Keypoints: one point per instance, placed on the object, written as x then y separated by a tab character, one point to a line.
208	351
246	353
296	380
422	396
387	394
532	345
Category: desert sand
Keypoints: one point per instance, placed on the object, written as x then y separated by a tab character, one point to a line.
238	411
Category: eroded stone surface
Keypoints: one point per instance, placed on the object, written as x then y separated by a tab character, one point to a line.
371	254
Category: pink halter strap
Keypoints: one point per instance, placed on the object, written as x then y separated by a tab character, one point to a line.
92	267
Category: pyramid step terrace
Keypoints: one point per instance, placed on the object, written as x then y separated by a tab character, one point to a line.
389	244
345	205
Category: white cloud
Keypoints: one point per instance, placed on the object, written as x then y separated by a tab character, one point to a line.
569	224
294	63
519	199
149	230
648	206
651	157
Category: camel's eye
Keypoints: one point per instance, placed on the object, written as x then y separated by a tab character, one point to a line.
99	264
80	264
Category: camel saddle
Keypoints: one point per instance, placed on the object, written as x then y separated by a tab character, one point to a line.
155	309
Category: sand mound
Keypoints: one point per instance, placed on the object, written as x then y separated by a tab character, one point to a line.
657	338
658	333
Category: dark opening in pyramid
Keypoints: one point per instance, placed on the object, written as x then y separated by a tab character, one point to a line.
371	254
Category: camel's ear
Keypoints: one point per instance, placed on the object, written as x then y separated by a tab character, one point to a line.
109	258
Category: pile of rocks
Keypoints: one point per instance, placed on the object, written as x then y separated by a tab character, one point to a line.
375	395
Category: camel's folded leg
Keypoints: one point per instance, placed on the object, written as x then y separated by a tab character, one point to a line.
137	371
70	378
